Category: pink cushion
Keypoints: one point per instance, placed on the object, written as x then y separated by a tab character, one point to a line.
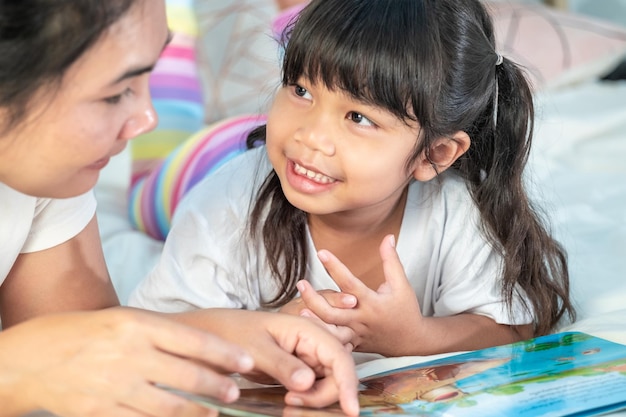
558	48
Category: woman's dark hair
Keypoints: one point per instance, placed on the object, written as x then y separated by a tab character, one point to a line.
41	39
434	62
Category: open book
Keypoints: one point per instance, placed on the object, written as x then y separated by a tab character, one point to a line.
561	375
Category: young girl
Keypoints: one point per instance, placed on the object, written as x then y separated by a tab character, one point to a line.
396	122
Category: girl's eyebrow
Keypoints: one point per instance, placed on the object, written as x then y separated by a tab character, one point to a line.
134	72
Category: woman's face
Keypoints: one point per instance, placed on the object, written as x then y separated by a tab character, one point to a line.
103	101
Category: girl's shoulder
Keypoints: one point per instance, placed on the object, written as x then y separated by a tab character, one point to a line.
445	188
230	187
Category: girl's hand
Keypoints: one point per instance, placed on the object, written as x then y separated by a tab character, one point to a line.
387	321
333	298
108	362
297	307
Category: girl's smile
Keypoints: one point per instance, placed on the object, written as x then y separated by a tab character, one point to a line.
306	180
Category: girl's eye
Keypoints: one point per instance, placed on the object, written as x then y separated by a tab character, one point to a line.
301	91
118	97
359	119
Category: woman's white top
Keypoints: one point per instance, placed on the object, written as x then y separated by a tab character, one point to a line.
31	224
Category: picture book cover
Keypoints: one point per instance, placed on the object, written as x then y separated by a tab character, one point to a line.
564	374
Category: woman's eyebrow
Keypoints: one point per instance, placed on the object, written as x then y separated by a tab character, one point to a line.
134	72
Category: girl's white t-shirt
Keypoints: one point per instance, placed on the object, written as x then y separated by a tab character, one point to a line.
209	259
30	224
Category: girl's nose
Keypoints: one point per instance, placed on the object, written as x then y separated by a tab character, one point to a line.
317	134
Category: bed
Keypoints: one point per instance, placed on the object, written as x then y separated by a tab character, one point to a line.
577	174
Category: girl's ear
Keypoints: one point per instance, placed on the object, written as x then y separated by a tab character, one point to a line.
443	153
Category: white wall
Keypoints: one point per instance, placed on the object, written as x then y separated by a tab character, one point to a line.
613	10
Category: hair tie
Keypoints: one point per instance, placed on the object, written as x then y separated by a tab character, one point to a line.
499	60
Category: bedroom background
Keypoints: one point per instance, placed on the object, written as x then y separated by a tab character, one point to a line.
223	63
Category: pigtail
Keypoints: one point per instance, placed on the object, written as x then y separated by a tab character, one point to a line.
534	263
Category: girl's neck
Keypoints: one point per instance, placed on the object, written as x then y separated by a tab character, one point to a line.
352	225
356	241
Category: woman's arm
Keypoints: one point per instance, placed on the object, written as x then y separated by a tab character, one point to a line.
110	362
66	277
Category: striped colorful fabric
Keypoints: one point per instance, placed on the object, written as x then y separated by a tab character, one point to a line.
176	92
153	198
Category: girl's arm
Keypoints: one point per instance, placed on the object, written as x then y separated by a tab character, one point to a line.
388	321
70	276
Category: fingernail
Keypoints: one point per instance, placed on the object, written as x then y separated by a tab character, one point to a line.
300	286
294	401
231	394
322	255
301	376
392	241
245	362
349	300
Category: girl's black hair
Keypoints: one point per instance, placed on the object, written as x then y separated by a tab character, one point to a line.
434	62
40	40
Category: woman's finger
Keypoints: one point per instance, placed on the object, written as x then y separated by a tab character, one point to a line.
198	345
150	400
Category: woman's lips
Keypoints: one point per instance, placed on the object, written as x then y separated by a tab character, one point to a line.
100	163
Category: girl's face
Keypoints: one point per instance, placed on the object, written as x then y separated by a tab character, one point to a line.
334	154
102	102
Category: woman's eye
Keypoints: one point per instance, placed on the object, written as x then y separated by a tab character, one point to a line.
301	91
117	98
359	119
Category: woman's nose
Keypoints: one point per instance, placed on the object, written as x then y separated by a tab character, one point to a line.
141	122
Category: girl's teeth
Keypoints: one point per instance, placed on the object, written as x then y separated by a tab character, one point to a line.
315	176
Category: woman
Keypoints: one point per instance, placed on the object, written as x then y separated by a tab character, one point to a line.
73	91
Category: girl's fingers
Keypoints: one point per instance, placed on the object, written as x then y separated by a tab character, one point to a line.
322	394
340	273
342	333
395	276
293	373
318	305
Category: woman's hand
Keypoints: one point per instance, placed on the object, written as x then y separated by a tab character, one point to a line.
386	321
309	361
106	363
